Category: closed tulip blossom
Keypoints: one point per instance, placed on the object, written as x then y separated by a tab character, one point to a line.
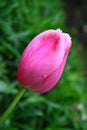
43	60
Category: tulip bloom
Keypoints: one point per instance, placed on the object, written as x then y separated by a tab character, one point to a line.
43	60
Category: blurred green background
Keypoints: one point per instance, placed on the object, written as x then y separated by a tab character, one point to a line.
65	106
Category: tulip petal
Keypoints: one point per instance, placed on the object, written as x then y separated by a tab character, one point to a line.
43	60
52	79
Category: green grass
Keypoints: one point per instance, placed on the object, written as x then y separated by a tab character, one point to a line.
20	21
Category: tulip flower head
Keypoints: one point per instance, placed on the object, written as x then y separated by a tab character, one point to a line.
42	62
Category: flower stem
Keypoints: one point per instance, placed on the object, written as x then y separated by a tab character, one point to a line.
12	105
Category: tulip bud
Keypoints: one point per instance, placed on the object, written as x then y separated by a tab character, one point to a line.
43	60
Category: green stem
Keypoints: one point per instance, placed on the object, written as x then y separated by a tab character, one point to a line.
12	105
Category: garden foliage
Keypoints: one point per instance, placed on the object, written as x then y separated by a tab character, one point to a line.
62	108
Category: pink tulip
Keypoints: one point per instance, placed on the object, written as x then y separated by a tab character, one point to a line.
43	60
